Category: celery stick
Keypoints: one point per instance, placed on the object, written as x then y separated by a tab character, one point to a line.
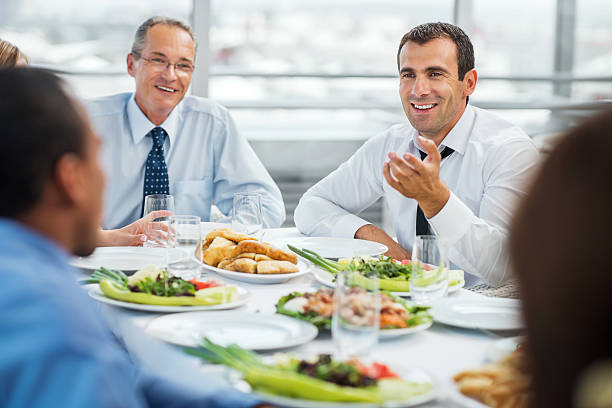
302	386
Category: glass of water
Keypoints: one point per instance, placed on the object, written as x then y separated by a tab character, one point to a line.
429	275
184	235
157	229
356	318
246	214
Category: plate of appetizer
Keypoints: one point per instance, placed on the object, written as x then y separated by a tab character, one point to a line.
397	316
241	257
393	276
153	290
321	381
504	382
254	331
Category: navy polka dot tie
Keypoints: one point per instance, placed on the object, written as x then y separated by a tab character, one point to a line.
156	172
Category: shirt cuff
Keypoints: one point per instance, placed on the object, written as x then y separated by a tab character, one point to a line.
453	221
347	225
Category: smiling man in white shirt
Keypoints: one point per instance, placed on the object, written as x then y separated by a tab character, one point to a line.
461	167
157	140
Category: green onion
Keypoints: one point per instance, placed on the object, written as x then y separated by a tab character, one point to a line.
317	260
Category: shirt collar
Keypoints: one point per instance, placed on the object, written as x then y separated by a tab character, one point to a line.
459	135
140	125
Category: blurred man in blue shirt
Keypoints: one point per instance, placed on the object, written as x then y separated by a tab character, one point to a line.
159	141
56	351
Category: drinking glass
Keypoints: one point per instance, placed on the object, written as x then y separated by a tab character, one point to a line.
157	229
184	235
429	275
356	317
246	214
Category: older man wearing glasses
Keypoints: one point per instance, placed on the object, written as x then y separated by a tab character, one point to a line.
157	140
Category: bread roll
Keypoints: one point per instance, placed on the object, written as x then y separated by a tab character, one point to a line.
227	234
270	267
245	265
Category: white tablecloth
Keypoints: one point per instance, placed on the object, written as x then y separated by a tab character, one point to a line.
441	350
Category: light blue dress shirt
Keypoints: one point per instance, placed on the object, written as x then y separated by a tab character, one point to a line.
208	161
56	351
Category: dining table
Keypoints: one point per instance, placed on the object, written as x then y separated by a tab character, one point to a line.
441	351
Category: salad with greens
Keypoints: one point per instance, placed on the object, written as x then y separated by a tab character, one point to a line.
393	275
320	379
318	307
154	286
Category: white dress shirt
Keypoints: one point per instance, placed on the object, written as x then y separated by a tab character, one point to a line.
488	172
206	157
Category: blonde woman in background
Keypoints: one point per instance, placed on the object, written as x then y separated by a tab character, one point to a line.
11	56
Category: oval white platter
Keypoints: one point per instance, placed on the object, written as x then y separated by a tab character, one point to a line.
303	267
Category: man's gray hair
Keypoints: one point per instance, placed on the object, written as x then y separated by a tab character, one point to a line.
140	37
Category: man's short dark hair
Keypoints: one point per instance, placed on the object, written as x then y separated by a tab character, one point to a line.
424	33
40	124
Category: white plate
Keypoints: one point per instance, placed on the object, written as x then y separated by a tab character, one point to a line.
391	333
409	374
329	247
250	331
263	278
327	279
243	295
486	314
126	258
503	347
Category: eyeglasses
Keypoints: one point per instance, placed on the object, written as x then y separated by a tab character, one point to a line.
161	64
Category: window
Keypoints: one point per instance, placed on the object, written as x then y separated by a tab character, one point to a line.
90	38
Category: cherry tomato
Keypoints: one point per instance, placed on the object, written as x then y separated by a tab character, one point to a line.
203	285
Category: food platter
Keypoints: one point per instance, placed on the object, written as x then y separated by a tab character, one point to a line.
303	267
96	293
126	259
327	279
295	305
250	331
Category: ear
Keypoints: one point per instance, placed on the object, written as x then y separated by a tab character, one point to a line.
69	180
469	82
131	61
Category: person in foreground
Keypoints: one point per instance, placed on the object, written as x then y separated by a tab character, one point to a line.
560	251
455	170
57	352
131	235
159	141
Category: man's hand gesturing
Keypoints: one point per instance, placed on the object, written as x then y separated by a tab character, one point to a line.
418	179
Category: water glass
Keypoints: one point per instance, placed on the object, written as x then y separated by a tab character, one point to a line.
429	275
356	318
157	229
246	214
184	235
